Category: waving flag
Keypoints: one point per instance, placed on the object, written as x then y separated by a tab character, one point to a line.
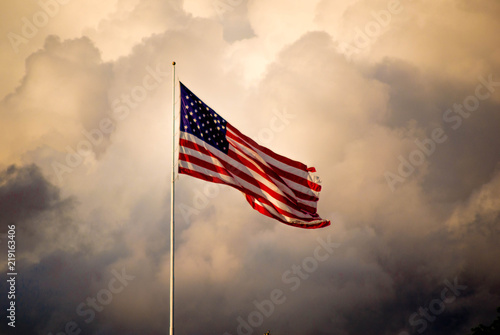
213	150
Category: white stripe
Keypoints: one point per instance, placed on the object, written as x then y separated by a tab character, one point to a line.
243	183
272	211
272	160
237	165
294	186
250	173
193	167
200	155
287	219
288	168
253	157
276	183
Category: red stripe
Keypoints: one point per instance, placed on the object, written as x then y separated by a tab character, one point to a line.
202	163
200	175
230	170
288	201
288	175
263	210
195	146
270	173
248	192
297	179
284	160
304	196
253	202
301	181
250	180
263	198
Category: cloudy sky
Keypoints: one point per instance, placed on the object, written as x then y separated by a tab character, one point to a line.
396	104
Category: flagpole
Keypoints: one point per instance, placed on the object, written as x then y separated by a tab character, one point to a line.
172	198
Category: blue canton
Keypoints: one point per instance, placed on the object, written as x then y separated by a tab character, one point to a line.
202	121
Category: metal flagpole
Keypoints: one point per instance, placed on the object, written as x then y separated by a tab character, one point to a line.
172	197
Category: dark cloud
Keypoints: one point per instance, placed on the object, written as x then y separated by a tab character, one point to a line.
428	101
25	193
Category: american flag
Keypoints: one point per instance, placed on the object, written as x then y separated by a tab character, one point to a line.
213	150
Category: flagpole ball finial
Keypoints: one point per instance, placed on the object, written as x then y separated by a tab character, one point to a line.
173	63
